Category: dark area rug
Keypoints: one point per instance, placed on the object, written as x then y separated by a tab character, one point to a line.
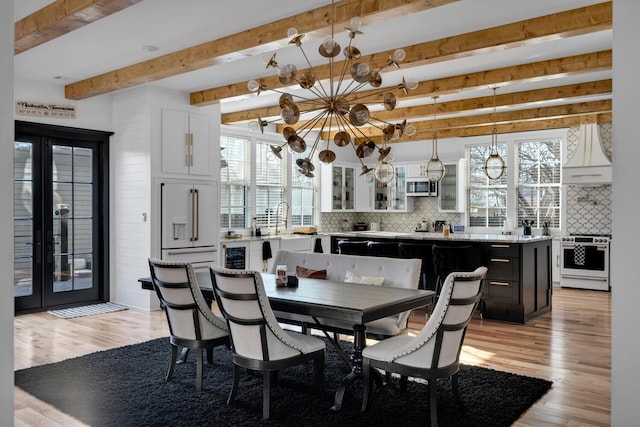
125	387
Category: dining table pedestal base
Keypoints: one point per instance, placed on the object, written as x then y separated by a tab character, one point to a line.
359	343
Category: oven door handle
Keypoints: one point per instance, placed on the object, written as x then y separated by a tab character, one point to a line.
595	279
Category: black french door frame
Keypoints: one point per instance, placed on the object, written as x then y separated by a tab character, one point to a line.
43	137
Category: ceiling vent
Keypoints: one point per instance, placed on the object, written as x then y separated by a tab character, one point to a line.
589	164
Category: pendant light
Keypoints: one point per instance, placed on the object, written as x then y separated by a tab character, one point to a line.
435	167
494	166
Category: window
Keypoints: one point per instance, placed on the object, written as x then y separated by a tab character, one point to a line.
530	190
539	181
487	198
302	196
254	181
269	178
234	182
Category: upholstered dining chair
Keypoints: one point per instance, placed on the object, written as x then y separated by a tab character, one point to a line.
435	351
257	340
192	324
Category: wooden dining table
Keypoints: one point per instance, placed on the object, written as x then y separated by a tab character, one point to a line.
353	303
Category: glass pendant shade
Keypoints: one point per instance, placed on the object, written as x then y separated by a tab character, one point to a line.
435	167
494	166
435	170
384	172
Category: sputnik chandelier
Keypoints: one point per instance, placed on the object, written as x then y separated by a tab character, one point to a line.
336	106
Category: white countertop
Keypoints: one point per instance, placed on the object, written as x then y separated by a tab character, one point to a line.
248	238
476	237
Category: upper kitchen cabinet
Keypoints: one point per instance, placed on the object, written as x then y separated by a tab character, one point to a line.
452	197
392	197
340	180
187	143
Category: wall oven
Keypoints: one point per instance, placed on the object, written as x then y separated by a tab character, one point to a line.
584	262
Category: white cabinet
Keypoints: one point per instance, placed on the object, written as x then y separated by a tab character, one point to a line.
256	261
187	143
392	197
188	230
452	192
338	185
364	193
295	243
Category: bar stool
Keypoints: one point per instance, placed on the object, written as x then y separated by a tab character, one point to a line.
385	249
447	259
353	247
417	251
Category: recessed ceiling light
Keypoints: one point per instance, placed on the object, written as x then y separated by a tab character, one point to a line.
149	48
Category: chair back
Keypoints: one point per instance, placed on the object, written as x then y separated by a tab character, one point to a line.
188	314
353	247
439	343
447	259
385	249
254	330
420	251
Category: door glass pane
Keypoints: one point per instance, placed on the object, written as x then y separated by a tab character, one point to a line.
22	219
73	218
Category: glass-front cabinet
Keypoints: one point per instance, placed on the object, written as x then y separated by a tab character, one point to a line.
393	196
451	196
340	180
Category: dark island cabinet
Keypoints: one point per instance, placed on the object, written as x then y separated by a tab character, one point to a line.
518	285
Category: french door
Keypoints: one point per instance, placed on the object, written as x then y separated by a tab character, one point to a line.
60	217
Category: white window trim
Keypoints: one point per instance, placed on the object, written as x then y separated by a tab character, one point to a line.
510	140
273	138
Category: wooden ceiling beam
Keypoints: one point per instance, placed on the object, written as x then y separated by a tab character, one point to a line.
566	92
543	123
62	17
597	61
561	25
425	128
314	23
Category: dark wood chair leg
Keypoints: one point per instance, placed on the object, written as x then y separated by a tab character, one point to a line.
404	380
210	356
234	386
456	389
266	394
433	406
172	362
199	363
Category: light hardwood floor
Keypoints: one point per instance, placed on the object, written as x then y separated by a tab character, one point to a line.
571	347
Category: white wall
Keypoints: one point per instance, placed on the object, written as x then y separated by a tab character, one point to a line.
93	113
624	248
6	212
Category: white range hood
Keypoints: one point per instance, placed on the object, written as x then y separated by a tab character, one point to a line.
589	164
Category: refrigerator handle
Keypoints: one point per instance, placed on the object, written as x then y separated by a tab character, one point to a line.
195	212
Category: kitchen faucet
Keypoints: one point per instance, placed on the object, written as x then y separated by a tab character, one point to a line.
280	206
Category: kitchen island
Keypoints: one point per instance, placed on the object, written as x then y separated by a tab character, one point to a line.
518	284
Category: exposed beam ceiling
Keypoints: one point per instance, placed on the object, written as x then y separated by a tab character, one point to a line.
567	24
264	38
540	89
